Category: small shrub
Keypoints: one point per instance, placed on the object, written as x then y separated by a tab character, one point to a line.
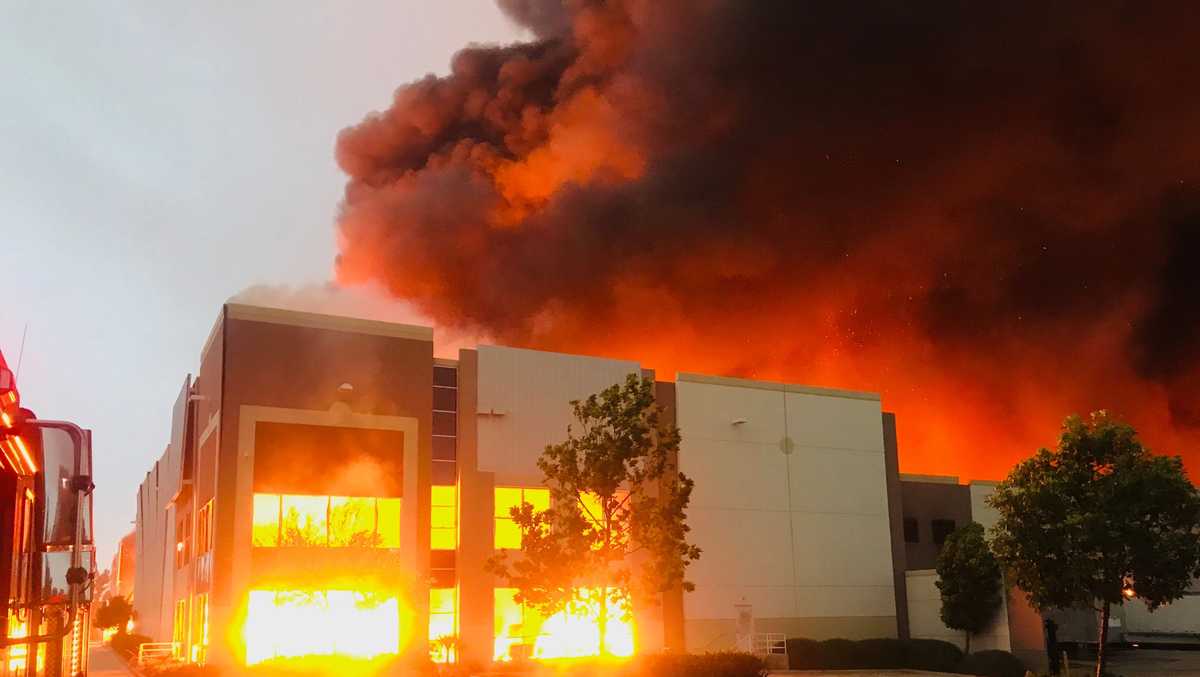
933	655
992	664
880	653
839	654
805	654
724	664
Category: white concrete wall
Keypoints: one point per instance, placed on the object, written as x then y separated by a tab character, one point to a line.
798	535
925	622
523	404
1180	617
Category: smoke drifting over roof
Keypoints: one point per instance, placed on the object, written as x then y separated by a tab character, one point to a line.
987	211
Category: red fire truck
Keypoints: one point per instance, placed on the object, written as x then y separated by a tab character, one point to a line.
47	561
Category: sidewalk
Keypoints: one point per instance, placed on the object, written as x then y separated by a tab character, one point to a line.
104	662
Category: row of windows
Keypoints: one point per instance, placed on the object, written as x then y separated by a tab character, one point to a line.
325	521
286	520
940	529
190	630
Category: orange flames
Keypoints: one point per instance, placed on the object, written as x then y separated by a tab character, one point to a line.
767	190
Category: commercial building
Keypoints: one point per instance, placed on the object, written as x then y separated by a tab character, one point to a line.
331	487
325	467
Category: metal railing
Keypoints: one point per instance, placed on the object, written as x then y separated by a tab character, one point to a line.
156	652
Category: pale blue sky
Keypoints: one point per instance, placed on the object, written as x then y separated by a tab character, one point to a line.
158	157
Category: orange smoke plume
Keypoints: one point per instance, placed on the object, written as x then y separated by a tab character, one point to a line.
986	212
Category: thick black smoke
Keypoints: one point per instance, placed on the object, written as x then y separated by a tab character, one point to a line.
988	211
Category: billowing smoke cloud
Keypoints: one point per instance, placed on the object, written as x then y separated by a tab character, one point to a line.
989	212
369	301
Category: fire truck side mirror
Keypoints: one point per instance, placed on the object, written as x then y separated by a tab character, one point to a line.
10	399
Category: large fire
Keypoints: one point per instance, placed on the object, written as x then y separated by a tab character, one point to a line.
573	632
875	196
292	623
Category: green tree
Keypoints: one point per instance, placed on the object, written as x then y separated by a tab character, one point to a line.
115	613
969	580
1097	519
616	525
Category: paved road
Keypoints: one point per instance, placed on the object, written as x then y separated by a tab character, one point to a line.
1147	663
106	663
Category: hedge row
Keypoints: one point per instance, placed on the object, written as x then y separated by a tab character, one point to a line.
913	654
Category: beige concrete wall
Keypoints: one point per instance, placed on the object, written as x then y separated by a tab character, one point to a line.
523	405
1181	617
789	508
924	616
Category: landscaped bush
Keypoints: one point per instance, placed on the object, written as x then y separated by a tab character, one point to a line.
992	664
839	654
805	654
913	654
933	655
881	653
726	664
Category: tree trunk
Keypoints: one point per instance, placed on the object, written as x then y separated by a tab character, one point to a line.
1103	640
967	650
603	620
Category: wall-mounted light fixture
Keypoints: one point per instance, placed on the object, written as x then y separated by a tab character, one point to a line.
738	421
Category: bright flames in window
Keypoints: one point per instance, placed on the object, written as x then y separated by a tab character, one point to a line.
520	631
289	623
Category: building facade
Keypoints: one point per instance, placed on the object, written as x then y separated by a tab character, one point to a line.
325	467
331	487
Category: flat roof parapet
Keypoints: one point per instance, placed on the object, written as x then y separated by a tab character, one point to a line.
300	318
774	385
934	479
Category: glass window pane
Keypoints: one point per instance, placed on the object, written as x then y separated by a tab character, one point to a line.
444	449
444	472
443	539
445	399
305	521
441	517
538	498
507	498
352	522
441	600
389	522
444	495
508	534
266	520
445	376
445	423
507	621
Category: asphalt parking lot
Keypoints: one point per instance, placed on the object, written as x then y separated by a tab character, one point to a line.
1129	662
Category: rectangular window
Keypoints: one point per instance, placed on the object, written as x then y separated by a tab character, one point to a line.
445	399
305	521
443	625
941	530
446	377
325	521
389	522
204	529
179	634
352	522
911	532
443	518
507	533
445	423
182	542
444	449
200	628
515	626
265	527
